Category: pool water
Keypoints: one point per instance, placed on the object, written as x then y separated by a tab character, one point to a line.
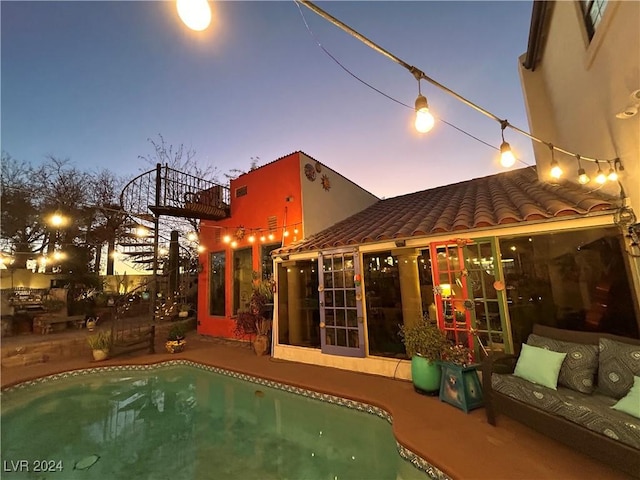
183	422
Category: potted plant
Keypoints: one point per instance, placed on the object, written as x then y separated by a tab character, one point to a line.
256	319
100	344
175	339
183	310
425	344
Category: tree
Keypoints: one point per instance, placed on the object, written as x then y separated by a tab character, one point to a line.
21	227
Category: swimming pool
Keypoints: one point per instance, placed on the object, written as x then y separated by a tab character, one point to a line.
183	420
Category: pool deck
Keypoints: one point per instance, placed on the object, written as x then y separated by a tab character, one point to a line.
462	445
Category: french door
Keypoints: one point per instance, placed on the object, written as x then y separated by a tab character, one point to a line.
469	293
341	321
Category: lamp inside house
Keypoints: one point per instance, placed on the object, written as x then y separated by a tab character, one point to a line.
196	14
424	119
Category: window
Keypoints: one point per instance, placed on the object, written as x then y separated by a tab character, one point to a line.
241	191
266	260
383	302
217	304
592	11
298	304
574	280
242	279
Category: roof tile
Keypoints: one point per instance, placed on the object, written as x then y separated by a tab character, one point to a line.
511	197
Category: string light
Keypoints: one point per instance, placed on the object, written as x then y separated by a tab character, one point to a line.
600	176
556	171
505	149
583	178
612	176
196	14
506	155
424	118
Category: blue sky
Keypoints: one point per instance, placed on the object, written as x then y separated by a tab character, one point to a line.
93	81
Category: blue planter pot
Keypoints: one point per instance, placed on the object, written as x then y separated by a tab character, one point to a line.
426	375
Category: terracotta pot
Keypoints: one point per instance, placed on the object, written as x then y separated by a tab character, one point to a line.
175	346
261	345
99	355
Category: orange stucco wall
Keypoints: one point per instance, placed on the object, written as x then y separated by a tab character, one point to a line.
272	190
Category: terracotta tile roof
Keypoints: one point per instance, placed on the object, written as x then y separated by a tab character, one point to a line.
511	197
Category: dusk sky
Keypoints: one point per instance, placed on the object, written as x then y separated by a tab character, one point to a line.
93	81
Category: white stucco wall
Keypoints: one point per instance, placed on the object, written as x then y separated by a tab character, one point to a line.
322	208
577	88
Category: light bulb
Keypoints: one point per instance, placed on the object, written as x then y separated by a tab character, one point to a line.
251	238
601	177
226	238
583	178
613	175
196	14
424	119
556	171
506	155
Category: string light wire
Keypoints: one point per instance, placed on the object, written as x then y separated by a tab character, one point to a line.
420	75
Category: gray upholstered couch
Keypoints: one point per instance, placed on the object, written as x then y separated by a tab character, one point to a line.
596	372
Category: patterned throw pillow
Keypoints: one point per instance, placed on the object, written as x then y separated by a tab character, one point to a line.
619	362
578	370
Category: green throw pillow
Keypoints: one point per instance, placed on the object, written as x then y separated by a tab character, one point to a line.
631	402
539	365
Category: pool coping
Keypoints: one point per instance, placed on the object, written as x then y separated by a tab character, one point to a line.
417	461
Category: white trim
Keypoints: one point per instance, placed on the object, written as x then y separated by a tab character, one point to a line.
606	219
386	367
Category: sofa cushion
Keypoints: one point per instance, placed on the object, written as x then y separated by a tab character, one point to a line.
539	365
579	368
618	364
630	403
593	412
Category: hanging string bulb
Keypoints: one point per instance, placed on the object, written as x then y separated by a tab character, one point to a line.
506	155
556	171
583	178
196	14
600	176
612	176
424	119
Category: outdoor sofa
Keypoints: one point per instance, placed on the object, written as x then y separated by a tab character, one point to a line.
599	369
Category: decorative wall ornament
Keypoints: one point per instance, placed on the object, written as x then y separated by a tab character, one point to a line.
310	172
326	183
469	304
318	167
240	231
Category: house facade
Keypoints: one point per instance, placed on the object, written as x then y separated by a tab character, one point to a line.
270	207
501	253
486	259
581	82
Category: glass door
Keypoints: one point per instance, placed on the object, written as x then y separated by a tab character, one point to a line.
487	290
470	296
341	322
450	287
